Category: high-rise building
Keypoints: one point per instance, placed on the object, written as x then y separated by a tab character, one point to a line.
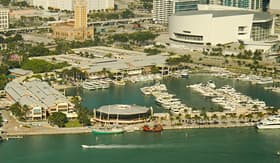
162	9
80	14
69	4
247	4
274	8
77	30
215	2
4	18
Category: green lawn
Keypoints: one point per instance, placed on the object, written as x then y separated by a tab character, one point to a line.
73	123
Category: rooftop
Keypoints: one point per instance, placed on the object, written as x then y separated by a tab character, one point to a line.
20	71
35	94
123	109
224	13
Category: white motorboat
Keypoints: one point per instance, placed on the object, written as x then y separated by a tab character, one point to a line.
272	122
146	90
266	80
211	84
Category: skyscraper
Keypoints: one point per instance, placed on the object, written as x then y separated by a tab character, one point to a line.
247	4
80	14
162	9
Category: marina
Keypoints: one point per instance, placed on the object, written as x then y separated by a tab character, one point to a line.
93	84
229	98
131	93
165	99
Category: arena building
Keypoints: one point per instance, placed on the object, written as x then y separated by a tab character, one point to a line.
122	114
220	26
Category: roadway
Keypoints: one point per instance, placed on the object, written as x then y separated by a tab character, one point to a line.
30	29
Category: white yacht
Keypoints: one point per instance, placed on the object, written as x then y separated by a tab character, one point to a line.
272	122
146	90
265	80
89	85
211	84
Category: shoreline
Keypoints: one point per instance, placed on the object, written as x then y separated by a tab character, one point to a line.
74	131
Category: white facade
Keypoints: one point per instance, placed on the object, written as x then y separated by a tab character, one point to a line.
247	4
100	4
274	5
162	9
4	18
215	2
69	4
215	27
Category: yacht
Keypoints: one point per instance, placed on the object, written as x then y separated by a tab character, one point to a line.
272	122
266	80
184	74
211	84
146	90
89	85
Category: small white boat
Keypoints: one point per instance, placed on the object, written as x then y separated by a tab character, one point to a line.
85	146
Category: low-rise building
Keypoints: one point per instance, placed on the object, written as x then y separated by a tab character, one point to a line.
17	72
39	97
122	114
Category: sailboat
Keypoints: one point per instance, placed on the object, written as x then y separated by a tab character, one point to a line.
108	129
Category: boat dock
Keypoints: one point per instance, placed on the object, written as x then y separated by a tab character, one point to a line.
165	99
229	98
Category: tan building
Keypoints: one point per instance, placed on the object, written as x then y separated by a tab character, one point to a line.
77	30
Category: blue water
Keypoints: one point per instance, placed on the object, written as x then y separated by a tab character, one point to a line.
232	145
131	94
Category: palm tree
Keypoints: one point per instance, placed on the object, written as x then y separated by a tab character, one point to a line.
260	115
214	117
233	117
249	117
196	118
171	120
241	118
223	118
188	117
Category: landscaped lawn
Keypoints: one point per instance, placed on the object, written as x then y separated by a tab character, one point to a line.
73	123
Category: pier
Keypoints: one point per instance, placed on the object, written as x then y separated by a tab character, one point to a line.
229	98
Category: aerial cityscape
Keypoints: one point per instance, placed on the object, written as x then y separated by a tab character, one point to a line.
119	81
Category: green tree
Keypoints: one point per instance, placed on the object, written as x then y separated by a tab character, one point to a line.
17	111
154	69
151	51
5	2
1	120
83	116
40	66
59	119
127	14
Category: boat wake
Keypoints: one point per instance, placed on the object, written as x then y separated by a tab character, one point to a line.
128	146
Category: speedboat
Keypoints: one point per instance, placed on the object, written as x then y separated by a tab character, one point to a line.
85	146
